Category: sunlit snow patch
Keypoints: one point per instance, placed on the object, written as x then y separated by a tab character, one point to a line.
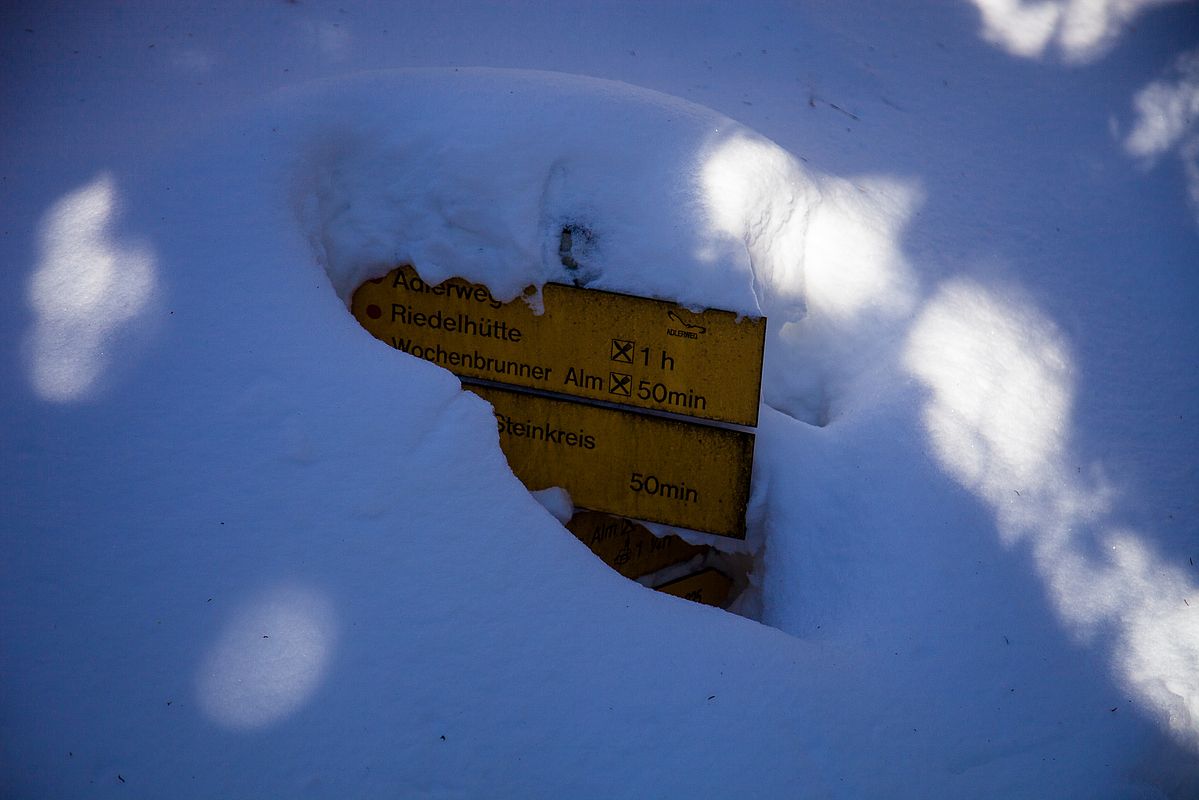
998	415
269	659
1168	117
87	284
827	264
1082	30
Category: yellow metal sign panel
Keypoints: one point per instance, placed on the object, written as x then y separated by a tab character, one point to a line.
635	465
632	351
710	587
627	547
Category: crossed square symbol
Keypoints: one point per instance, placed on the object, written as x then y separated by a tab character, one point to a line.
620	383
622	350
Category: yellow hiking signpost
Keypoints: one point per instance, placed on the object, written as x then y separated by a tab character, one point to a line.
626	359
595	345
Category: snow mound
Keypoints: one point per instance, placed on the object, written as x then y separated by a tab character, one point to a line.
477	173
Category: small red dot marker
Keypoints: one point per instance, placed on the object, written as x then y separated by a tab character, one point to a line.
373	311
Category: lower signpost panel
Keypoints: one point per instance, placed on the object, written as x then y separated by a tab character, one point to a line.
710	587
635	465
627	547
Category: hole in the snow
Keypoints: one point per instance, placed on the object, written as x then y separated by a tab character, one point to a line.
574	250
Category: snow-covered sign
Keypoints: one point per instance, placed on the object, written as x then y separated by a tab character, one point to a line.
614	348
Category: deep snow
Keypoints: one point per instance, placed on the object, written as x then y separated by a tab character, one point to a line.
251	551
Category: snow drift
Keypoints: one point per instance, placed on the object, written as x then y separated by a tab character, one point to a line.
248	533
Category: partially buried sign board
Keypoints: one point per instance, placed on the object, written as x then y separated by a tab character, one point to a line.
710	586
635	465
627	547
596	345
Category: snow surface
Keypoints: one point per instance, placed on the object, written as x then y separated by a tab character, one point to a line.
250	551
